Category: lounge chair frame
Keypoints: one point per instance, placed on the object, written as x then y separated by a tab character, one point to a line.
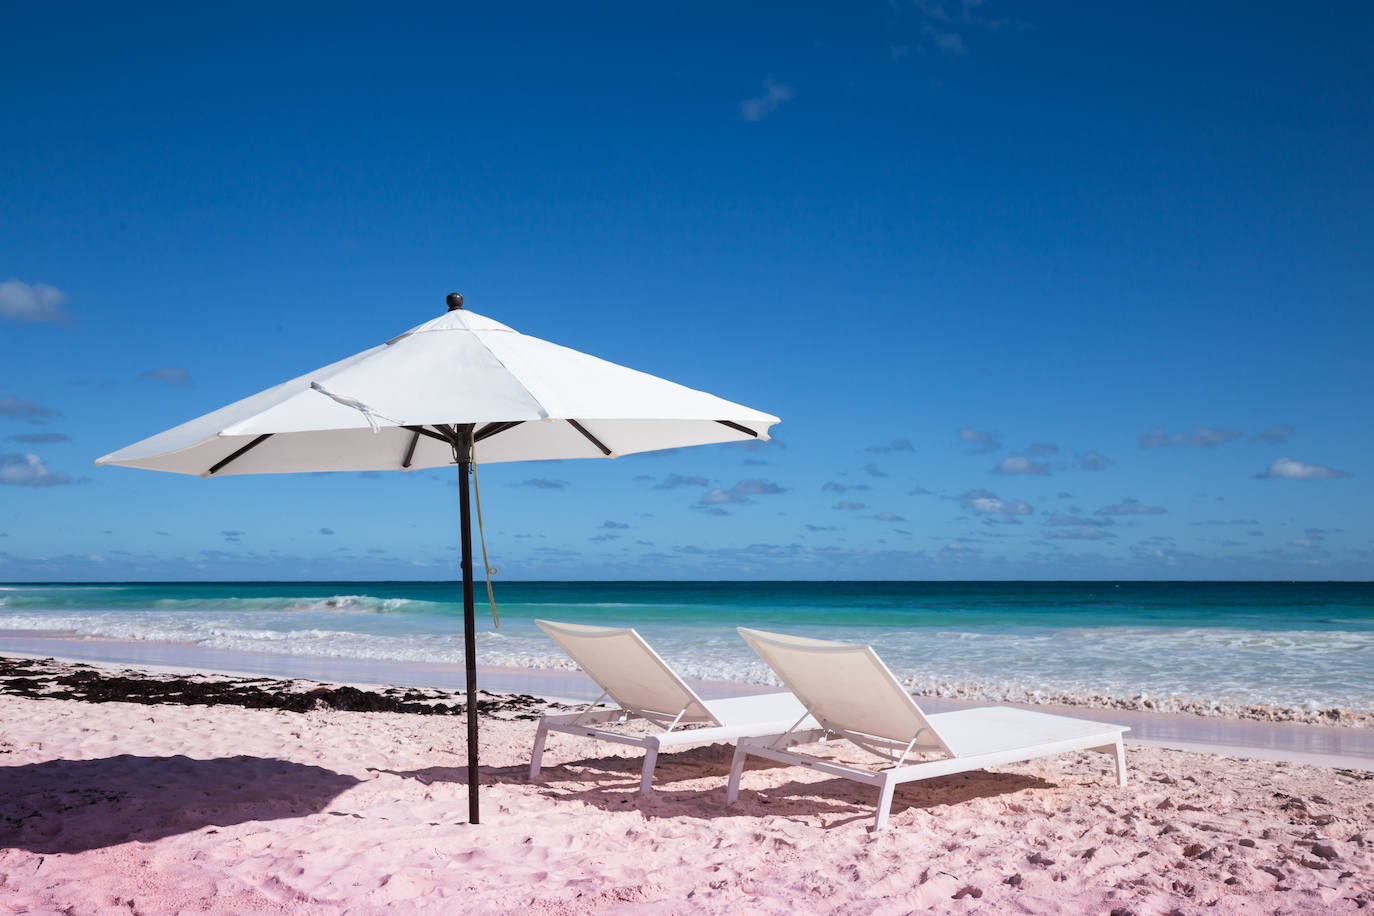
926	734
660	697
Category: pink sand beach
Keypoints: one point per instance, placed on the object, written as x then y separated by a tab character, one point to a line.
161	809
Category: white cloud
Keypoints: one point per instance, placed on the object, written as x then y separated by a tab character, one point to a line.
1093	460
946	23
39	438
889	517
1080	534
21	301
774	94
947	41
27	470
832	486
986	503
10	406
896	445
741	492
1018	464
983	441
543	483
756	487
716	496
935	9
673	481
167	375
1201	437
1273	435
1131	507
965	13
1288	469
1074	521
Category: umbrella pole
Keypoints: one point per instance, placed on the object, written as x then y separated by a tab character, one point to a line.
469	637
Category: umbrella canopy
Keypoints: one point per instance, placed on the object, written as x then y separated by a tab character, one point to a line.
426	399
528	398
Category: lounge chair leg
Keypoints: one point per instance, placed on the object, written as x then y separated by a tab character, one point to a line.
736	771
884	802
1120	762
650	758
537	755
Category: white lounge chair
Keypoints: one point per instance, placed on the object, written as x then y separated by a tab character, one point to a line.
852	695
644	687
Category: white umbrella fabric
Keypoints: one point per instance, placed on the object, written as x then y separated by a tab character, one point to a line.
430	398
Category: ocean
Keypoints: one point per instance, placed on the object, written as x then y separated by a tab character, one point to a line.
1303	644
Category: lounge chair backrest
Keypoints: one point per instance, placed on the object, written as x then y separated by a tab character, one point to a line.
846	688
631	673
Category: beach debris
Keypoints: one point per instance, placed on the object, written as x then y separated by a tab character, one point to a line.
50	679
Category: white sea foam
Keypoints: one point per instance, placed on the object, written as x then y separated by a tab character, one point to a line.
1321	668
585	604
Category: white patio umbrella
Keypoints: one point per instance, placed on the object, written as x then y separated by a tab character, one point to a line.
451	391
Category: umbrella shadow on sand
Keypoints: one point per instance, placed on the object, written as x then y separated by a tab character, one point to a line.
611	783
68	806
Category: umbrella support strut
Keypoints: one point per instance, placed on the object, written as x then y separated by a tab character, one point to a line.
462	453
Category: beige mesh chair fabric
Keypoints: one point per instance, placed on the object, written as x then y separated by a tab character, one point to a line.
851	694
628	671
643	686
846	688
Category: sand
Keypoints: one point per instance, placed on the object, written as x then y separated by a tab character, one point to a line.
131	808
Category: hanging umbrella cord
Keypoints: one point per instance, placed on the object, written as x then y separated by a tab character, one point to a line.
481	535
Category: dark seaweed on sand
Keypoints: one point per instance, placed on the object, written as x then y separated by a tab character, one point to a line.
49	679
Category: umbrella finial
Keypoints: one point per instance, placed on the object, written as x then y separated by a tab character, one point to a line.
455	301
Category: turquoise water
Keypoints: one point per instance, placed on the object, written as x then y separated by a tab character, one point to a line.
1286	643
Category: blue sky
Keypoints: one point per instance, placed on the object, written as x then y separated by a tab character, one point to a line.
1039	290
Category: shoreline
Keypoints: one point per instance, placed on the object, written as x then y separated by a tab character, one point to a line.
1343	745
118	650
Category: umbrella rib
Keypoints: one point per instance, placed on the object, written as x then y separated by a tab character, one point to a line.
410	449
738	427
590	438
247	448
492	429
439	437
